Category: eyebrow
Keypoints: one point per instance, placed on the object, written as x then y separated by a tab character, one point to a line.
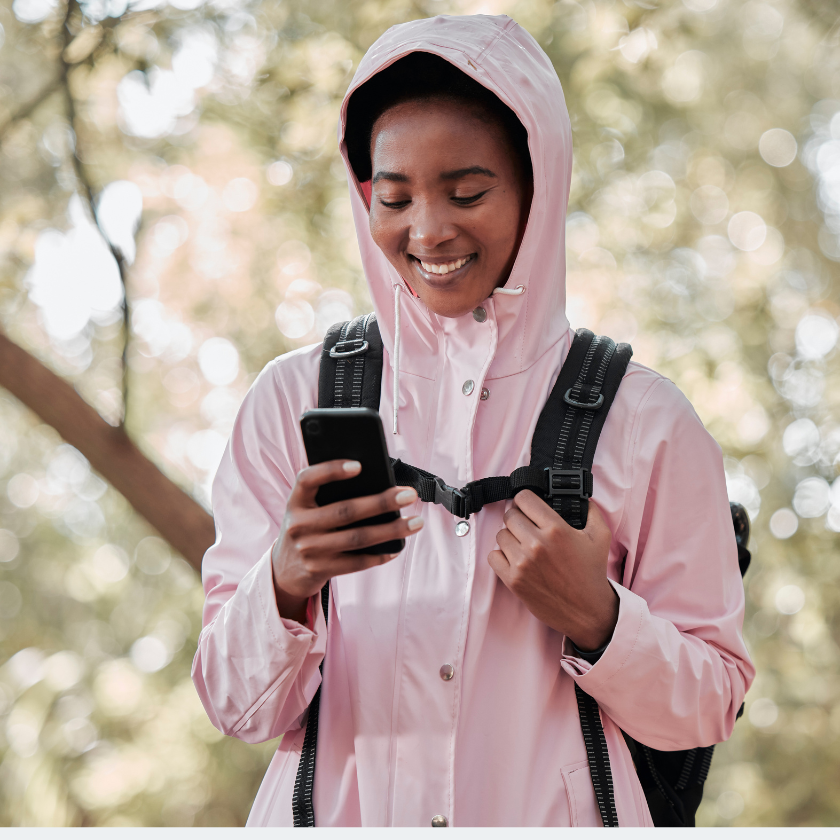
454	175
469	170
390	176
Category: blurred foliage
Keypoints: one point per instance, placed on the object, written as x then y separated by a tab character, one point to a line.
703	228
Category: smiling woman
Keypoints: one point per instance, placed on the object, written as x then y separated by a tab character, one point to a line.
449	676
450	175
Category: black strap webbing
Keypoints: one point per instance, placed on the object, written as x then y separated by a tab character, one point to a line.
303	810
598	756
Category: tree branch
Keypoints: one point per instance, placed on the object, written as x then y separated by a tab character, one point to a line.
87	191
181	521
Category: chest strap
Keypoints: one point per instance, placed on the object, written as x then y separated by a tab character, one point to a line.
546	482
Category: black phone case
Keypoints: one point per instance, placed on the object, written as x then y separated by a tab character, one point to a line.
352	434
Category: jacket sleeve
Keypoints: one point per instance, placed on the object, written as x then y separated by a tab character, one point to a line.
676	669
255	672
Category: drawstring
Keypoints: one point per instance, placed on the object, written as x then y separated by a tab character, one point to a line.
519	290
397	293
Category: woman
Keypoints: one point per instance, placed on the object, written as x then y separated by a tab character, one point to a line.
448	682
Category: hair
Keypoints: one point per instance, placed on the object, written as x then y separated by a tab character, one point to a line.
421	76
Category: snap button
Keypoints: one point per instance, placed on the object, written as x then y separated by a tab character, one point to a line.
439	821
485	394
462	529
480	314
468	387
447	672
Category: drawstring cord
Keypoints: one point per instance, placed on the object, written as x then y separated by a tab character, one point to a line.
519	290
397	334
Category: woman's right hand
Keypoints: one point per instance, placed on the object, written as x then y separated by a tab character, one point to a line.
310	550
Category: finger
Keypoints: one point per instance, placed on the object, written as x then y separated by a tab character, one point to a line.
519	524
341	514
509	545
347	564
353	539
311	478
541	514
499	563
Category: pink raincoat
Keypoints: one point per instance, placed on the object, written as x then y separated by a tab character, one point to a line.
500	743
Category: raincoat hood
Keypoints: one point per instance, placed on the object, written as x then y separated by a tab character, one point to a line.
504	58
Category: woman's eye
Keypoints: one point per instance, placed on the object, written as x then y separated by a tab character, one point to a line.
397	205
468	199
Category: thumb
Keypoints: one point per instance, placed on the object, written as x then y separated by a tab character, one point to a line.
596	525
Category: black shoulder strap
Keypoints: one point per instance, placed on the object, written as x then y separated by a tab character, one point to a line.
350	376
570	424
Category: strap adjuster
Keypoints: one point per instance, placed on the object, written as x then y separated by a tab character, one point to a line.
587	406
357	348
580	484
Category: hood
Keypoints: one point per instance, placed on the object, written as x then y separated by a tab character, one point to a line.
503	57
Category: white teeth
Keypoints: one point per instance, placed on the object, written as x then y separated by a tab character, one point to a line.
445	268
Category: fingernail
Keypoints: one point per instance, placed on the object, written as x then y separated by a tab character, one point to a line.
406	497
415	524
395	555
351	466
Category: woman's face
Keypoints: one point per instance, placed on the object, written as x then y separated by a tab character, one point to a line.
449	202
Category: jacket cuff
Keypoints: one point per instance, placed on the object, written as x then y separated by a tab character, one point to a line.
613	657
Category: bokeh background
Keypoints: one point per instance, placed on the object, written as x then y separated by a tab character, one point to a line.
703	228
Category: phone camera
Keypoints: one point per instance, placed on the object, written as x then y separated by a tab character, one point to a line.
313	427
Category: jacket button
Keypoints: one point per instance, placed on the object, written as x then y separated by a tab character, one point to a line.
468	387
480	314
462	529
447	672
485	394
439	821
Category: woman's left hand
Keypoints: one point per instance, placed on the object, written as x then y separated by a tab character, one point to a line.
558	572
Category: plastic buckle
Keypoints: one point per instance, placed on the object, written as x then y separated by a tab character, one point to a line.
451	498
336	353
583	488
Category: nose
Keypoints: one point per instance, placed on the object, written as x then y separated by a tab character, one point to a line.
430	226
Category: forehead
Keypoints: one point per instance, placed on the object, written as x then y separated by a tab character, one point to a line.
437	129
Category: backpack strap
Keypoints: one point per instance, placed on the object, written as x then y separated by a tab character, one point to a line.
303	810
350	376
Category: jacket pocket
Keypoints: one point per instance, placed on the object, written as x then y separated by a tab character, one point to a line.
583	807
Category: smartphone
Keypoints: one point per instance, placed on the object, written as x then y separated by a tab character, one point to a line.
352	434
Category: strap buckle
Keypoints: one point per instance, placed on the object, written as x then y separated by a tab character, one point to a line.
451	498
580	486
338	351
587	406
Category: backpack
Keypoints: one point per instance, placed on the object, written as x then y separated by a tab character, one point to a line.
562	452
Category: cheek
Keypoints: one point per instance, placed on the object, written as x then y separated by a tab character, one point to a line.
500	231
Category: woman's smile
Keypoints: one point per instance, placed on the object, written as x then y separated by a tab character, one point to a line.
441	271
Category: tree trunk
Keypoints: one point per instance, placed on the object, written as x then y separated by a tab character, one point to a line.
181	521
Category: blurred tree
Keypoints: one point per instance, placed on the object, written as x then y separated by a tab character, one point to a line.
185	151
